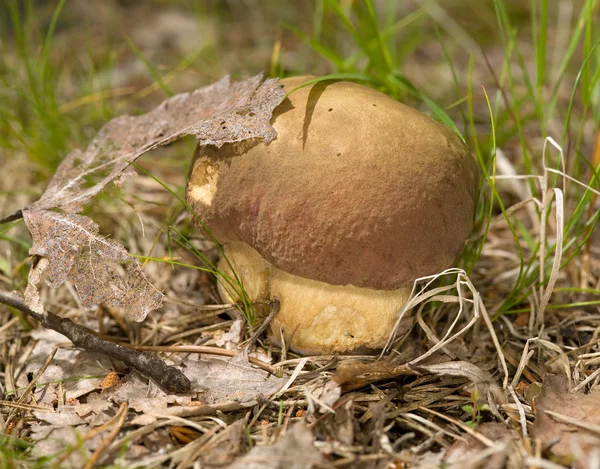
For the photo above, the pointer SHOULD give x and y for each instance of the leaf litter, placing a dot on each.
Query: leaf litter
(568, 423)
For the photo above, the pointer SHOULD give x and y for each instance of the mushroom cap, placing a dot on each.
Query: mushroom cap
(356, 189)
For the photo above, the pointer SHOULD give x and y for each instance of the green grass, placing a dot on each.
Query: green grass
(30, 117)
(527, 101)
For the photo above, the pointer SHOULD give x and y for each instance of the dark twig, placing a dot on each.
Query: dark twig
(12, 217)
(145, 363)
(274, 310)
(31, 385)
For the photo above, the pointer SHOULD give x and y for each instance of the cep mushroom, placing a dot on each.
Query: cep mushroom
(358, 196)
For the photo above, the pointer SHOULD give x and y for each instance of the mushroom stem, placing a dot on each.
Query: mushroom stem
(317, 317)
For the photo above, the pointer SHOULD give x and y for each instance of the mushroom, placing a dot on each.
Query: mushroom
(358, 196)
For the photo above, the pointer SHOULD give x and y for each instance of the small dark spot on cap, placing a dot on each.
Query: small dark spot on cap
(330, 109)
(339, 154)
(374, 105)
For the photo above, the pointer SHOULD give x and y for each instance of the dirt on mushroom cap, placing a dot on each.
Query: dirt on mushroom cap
(356, 189)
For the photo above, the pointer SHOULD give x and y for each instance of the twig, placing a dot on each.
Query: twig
(31, 385)
(122, 413)
(91, 434)
(274, 310)
(202, 349)
(12, 217)
(145, 363)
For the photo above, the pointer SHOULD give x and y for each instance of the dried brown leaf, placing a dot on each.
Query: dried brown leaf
(65, 418)
(235, 380)
(143, 396)
(68, 365)
(51, 440)
(568, 424)
(322, 396)
(487, 387)
(220, 113)
(69, 244)
(294, 451)
(231, 339)
(457, 368)
(351, 376)
(73, 250)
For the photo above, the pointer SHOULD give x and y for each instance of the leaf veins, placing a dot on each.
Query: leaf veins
(69, 246)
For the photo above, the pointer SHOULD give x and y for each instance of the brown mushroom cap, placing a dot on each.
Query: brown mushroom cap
(357, 189)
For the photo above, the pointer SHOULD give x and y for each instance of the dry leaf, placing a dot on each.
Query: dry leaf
(52, 440)
(457, 368)
(69, 244)
(294, 451)
(223, 112)
(324, 395)
(351, 376)
(568, 424)
(231, 339)
(68, 365)
(487, 387)
(471, 453)
(66, 418)
(73, 250)
(345, 423)
(143, 396)
(95, 405)
(230, 381)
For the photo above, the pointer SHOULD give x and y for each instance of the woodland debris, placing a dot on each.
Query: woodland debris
(148, 364)
(568, 423)
(295, 450)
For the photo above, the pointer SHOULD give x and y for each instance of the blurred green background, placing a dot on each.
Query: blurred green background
(67, 67)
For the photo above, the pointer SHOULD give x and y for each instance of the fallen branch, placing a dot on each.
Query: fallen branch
(12, 217)
(145, 363)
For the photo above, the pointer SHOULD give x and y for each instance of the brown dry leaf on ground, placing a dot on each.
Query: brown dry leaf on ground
(567, 423)
(351, 376)
(69, 245)
(471, 453)
(77, 372)
(294, 451)
(221, 385)
(143, 396)
(73, 250)
(53, 440)
(230, 381)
